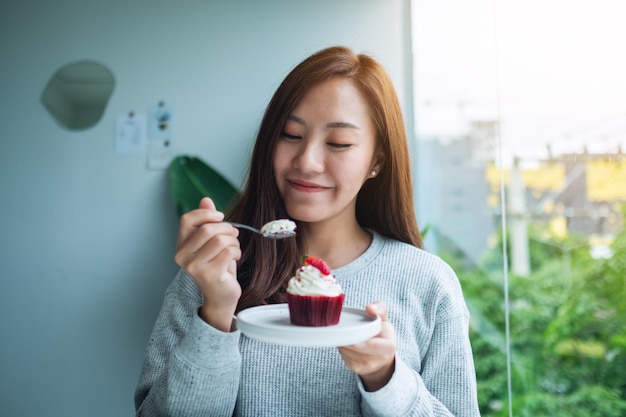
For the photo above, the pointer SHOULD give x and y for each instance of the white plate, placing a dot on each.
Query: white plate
(270, 323)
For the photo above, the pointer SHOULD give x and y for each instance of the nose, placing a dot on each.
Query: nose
(310, 157)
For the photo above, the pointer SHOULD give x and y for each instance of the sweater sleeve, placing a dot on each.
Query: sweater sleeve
(434, 374)
(190, 368)
(446, 385)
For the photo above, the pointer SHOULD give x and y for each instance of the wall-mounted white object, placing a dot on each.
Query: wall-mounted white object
(160, 154)
(130, 133)
(160, 122)
(160, 149)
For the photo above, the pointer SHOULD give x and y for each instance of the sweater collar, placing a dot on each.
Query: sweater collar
(365, 259)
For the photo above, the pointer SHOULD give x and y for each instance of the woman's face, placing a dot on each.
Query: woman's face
(326, 151)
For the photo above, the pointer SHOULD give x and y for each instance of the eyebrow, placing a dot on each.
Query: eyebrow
(331, 125)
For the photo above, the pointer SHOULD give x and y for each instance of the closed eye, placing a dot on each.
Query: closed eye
(339, 145)
(288, 136)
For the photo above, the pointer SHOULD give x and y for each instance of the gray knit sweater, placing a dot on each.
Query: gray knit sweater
(192, 369)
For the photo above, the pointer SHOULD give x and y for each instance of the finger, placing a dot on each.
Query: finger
(207, 203)
(232, 266)
(385, 341)
(387, 331)
(206, 242)
(382, 342)
(377, 308)
(206, 232)
(200, 216)
(368, 357)
(227, 260)
(220, 260)
(190, 221)
(209, 266)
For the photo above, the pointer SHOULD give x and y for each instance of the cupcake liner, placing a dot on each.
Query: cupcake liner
(315, 311)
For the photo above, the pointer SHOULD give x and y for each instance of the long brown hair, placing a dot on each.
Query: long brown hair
(384, 203)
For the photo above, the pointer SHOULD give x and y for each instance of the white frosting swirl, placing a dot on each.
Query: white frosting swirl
(310, 281)
(278, 227)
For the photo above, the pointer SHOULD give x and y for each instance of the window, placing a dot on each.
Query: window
(521, 181)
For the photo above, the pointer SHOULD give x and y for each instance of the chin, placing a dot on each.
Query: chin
(307, 214)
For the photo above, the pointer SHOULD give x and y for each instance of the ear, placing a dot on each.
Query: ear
(377, 163)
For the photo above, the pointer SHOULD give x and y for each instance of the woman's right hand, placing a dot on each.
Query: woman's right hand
(208, 250)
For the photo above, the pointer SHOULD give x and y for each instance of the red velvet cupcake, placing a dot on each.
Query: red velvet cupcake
(313, 295)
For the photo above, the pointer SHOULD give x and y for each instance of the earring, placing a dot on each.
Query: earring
(373, 173)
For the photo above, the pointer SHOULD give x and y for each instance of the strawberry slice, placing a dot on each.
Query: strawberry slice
(317, 263)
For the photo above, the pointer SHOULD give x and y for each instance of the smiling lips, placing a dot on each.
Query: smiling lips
(307, 187)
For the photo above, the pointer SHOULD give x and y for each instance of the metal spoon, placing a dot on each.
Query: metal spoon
(276, 229)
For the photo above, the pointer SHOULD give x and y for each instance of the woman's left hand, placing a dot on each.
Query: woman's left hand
(374, 359)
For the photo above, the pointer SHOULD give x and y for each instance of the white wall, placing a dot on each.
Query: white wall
(87, 235)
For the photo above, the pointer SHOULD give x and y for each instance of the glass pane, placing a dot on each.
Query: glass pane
(521, 134)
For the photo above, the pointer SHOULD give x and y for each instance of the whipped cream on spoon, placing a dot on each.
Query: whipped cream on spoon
(276, 229)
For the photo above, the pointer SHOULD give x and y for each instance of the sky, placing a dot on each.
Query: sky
(552, 71)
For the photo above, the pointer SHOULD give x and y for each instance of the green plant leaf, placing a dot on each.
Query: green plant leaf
(191, 179)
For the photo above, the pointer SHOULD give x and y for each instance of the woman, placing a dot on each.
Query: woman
(331, 154)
